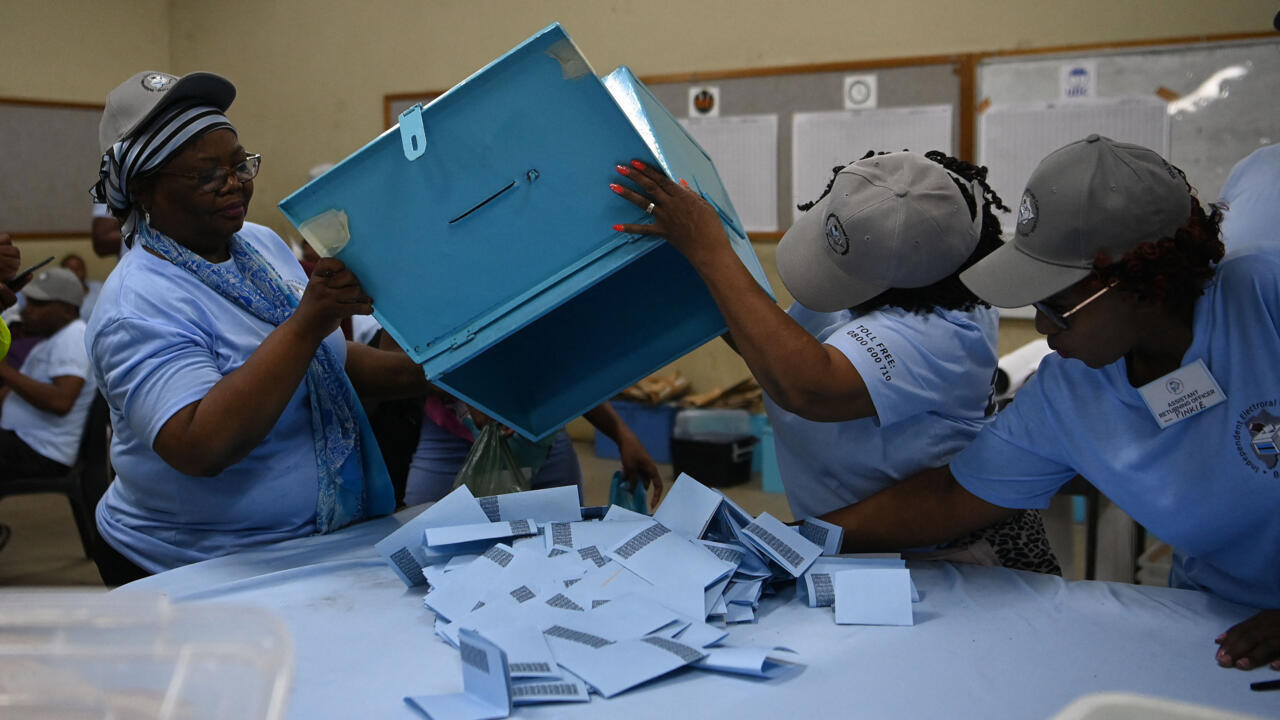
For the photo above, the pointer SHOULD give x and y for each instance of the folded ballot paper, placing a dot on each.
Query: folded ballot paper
(486, 685)
(575, 607)
(481, 224)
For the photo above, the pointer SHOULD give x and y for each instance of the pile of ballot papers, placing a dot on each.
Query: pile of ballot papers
(546, 606)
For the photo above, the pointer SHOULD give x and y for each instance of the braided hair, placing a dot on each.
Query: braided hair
(948, 293)
(1171, 271)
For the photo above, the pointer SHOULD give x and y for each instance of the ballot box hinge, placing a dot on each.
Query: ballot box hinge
(462, 338)
(413, 134)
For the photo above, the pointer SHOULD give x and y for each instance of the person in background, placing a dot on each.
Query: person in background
(45, 403)
(1162, 390)
(1251, 196)
(10, 265)
(235, 401)
(884, 364)
(105, 233)
(75, 264)
(448, 432)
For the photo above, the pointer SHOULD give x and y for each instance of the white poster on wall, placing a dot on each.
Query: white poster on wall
(1014, 138)
(821, 141)
(744, 149)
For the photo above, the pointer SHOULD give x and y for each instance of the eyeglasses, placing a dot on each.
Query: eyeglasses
(1060, 318)
(213, 179)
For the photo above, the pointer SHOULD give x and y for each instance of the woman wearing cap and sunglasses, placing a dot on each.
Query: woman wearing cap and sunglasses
(1163, 392)
(884, 364)
(231, 390)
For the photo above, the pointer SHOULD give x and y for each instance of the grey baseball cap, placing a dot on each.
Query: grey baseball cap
(55, 284)
(144, 96)
(1094, 195)
(890, 221)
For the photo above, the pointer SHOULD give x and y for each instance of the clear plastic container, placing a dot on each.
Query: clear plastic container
(1132, 706)
(693, 422)
(132, 655)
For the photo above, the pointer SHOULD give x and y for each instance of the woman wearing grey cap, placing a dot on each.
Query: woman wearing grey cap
(884, 364)
(1163, 392)
(232, 395)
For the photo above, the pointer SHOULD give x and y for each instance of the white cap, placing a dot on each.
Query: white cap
(1094, 195)
(145, 95)
(890, 221)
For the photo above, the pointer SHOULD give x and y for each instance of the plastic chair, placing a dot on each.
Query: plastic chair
(85, 482)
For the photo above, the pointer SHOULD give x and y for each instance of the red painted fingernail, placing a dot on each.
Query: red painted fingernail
(615, 188)
(623, 170)
(637, 164)
(618, 228)
(684, 182)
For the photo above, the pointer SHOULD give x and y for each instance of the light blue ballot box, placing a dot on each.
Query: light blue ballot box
(481, 225)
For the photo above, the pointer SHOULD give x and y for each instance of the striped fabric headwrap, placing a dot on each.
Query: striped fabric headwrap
(147, 150)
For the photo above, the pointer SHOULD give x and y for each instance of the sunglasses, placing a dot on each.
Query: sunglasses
(1060, 318)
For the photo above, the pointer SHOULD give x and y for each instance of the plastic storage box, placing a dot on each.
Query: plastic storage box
(694, 421)
(714, 459)
(652, 424)
(133, 655)
(481, 225)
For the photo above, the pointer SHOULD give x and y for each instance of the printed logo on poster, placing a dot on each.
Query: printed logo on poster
(1078, 81)
(860, 92)
(704, 101)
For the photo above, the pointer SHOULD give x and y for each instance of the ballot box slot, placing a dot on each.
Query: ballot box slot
(486, 201)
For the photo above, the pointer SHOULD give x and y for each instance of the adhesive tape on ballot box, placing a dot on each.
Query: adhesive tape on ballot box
(327, 233)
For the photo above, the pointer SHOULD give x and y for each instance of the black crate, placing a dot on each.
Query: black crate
(714, 459)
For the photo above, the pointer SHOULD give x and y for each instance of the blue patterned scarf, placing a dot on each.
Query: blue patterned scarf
(336, 420)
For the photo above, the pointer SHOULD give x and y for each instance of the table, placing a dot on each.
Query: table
(987, 643)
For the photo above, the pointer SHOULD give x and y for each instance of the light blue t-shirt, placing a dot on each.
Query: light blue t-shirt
(159, 339)
(930, 379)
(1252, 194)
(1208, 485)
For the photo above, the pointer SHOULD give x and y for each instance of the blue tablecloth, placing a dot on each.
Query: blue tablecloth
(987, 643)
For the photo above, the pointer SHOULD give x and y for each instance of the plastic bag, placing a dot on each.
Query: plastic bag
(490, 468)
(528, 454)
(628, 495)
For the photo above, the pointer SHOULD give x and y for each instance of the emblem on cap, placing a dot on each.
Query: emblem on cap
(1028, 213)
(157, 82)
(837, 240)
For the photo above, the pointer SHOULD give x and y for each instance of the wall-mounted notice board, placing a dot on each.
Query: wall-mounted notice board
(1206, 104)
(764, 123)
(50, 159)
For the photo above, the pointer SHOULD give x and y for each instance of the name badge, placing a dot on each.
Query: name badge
(1187, 391)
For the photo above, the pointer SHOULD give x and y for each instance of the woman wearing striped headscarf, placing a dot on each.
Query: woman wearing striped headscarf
(233, 396)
